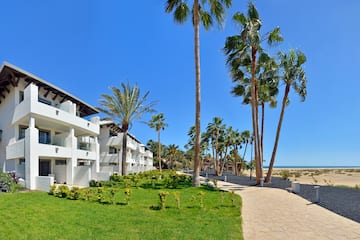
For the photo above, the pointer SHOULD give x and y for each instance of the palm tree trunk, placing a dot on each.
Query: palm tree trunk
(254, 110)
(258, 134)
(268, 176)
(214, 159)
(245, 151)
(124, 152)
(262, 128)
(217, 152)
(196, 177)
(159, 149)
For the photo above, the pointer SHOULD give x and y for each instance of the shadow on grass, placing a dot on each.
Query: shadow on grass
(122, 204)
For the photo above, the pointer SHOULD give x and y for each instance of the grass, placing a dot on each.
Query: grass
(37, 215)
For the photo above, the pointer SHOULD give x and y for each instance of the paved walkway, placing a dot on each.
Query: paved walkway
(271, 213)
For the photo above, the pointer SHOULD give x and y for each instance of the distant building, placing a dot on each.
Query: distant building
(45, 136)
(139, 157)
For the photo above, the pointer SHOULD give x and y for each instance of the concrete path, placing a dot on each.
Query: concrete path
(270, 213)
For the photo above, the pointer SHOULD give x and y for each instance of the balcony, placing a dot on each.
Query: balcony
(16, 150)
(131, 144)
(148, 154)
(141, 149)
(86, 155)
(47, 150)
(116, 141)
(63, 114)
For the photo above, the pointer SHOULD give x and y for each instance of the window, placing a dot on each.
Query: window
(44, 137)
(43, 100)
(22, 132)
(0, 135)
(21, 96)
(60, 162)
(21, 161)
(113, 150)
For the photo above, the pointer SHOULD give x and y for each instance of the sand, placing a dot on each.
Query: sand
(324, 177)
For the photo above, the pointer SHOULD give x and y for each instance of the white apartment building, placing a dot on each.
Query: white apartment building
(44, 136)
(139, 158)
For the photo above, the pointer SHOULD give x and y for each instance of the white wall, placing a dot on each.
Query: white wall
(43, 183)
(82, 175)
(7, 106)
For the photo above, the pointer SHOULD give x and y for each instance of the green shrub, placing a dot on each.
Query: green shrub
(177, 199)
(52, 189)
(163, 195)
(87, 194)
(93, 183)
(297, 174)
(201, 198)
(285, 174)
(74, 193)
(100, 194)
(62, 191)
(127, 183)
(116, 178)
(127, 193)
(222, 197)
(6, 181)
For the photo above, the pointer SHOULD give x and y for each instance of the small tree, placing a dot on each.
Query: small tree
(157, 122)
(124, 107)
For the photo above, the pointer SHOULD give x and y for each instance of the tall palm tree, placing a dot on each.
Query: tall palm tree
(267, 79)
(124, 107)
(243, 56)
(293, 76)
(157, 122)
(199, 15)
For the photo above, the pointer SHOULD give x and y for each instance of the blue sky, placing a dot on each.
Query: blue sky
(86, 46)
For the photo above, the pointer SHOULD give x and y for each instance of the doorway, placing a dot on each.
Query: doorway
(44, 167)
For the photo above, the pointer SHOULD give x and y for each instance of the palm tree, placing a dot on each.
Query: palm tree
(213, 132)
(157, 122)
(243, 57)
(245, 135)
(173, 149)
(267, 79)
(124, 107)
(199, 14)
(293, 76)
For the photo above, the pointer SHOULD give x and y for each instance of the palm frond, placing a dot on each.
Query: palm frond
(181, 12)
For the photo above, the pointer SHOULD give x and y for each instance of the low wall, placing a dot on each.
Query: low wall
(43, 183)
(103, 176)
(82, 176)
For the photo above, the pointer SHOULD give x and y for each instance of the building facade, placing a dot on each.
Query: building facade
(47, 135)
(138, 159)
(44, 135)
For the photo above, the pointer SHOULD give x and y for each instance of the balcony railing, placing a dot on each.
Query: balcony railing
(16, 149)
(59, 114)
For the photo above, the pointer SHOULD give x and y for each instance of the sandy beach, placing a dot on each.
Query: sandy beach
(349, 177)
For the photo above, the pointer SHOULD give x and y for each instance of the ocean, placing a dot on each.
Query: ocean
(312, 167)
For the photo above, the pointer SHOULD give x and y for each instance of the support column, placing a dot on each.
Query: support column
(97, 150)
(71, 142)
(31, 155)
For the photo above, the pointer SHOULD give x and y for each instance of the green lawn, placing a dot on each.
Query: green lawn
(37, 215)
